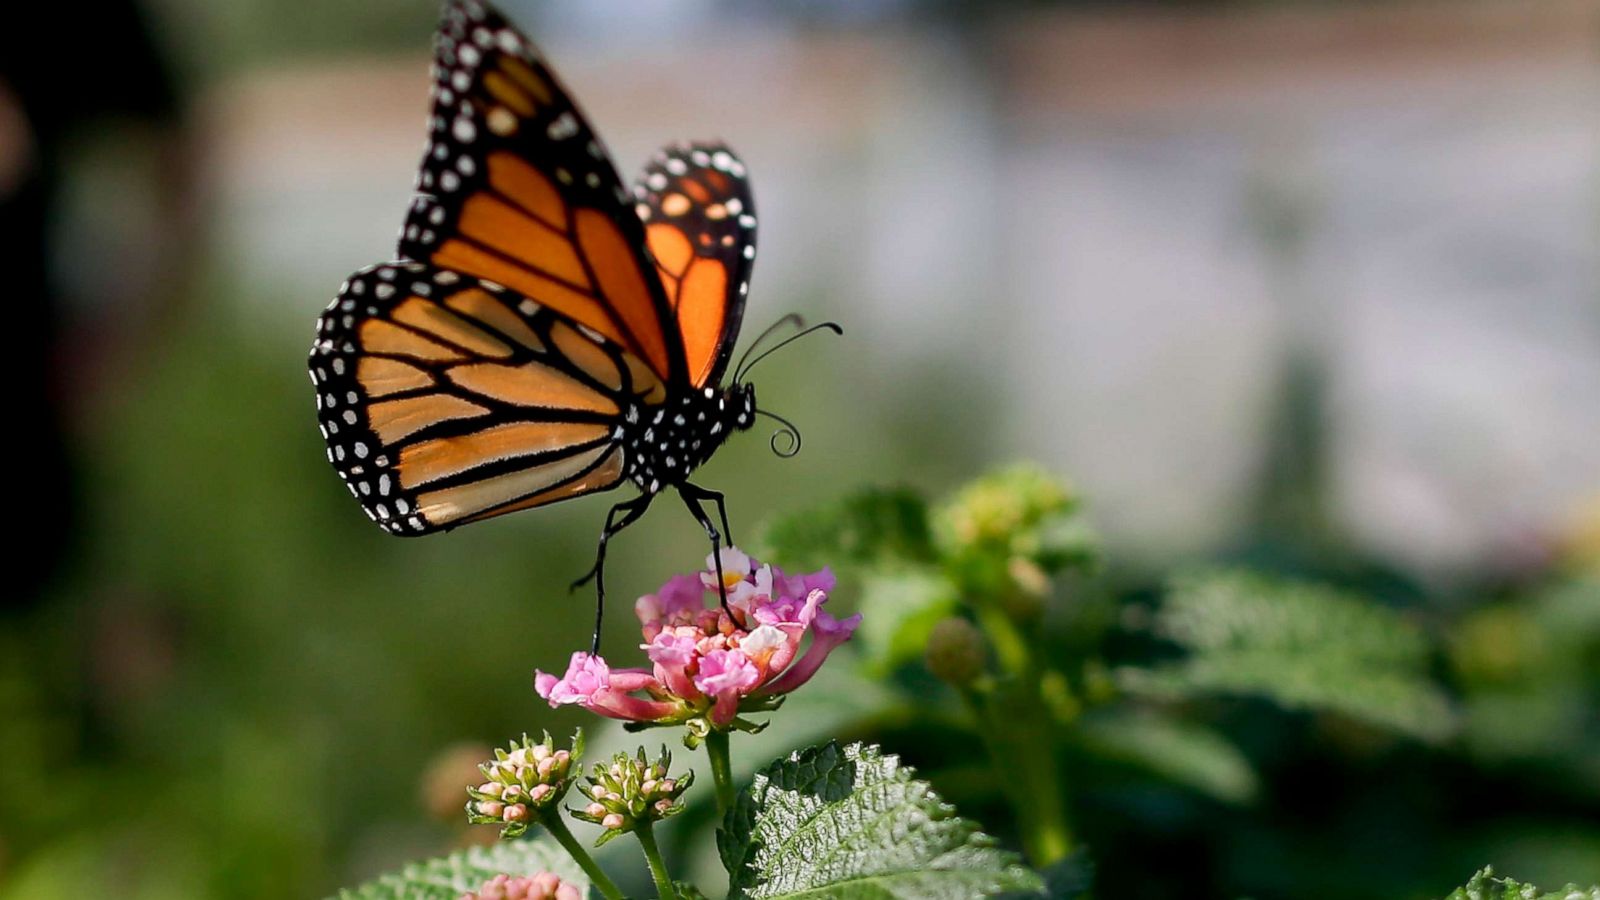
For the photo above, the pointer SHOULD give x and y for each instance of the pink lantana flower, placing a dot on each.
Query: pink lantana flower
(709, 665)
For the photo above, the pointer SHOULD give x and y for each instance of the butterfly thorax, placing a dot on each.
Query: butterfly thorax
(663, 443)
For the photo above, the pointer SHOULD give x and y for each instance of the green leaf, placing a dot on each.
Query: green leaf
(849, 822)
(898, 610)
(880, 526)
(1188, 754)
(1485, 886)
(1300, 645)
(448, 877)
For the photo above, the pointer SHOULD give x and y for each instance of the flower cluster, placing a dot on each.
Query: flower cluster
(711, 662)
(522, 782)
(542, 886)
(630, 792)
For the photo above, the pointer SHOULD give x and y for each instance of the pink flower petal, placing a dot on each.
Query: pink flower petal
(585, 675)
(671, 649)
(726, 670)
(827, 634)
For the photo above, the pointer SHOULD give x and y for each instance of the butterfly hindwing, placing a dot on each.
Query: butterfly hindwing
(445, 399)
(700, 221)
(515, 187)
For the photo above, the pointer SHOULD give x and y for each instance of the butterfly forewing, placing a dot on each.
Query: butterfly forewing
(515, 187)
(445, 399)
(700, 221)
(546, 334)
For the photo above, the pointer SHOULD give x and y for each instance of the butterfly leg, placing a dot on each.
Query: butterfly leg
(631, 510)
(700, 493)
(691, 498)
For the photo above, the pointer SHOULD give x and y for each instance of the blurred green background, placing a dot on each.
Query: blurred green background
(1310, 287)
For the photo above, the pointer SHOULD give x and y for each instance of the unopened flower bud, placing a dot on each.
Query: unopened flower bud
(1030, 578)
(542, 886)
(516, 787)
(446, 774)
(956, 652)
(630, 791)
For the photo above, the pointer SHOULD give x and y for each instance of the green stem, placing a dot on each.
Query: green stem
(721, 770)
(551, 820)
(1010, 646)
(652, 854)
(1020, 739)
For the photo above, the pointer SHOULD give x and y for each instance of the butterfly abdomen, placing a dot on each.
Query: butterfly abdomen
(666, 442)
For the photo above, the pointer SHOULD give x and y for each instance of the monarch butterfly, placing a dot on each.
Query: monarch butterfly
(544, 334)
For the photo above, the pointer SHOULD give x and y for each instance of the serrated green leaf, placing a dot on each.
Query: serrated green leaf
(1485, 886)
(880, 526)
(1224, 609)
(1303, 646)
(1185, 753)
(448, 877)
(849, 822)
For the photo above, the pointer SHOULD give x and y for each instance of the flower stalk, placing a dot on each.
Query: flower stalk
(553, 823)
(658, 867)
(717, 752)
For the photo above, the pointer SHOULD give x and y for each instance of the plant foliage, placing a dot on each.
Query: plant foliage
(849, 822)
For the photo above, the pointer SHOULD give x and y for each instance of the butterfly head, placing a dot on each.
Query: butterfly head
(741, 402)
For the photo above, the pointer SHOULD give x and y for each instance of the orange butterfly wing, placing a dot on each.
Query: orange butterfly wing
(700, 220)
(445, 399)
(516, 188)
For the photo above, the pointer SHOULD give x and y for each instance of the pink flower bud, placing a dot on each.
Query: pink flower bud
(490, 807)
(540, 753)
(614, 820)
(491, 788)
(663, 805)
(596, 810)
(648, 787)
(667, 785)
(540, 792)
(516, 812)
(512, 792)
(546, 766)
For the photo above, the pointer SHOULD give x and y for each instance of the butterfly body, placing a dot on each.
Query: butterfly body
(665, 443)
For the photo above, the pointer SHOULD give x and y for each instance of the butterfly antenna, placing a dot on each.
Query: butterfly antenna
(790, 319)
(828, 326)
(789, 433)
